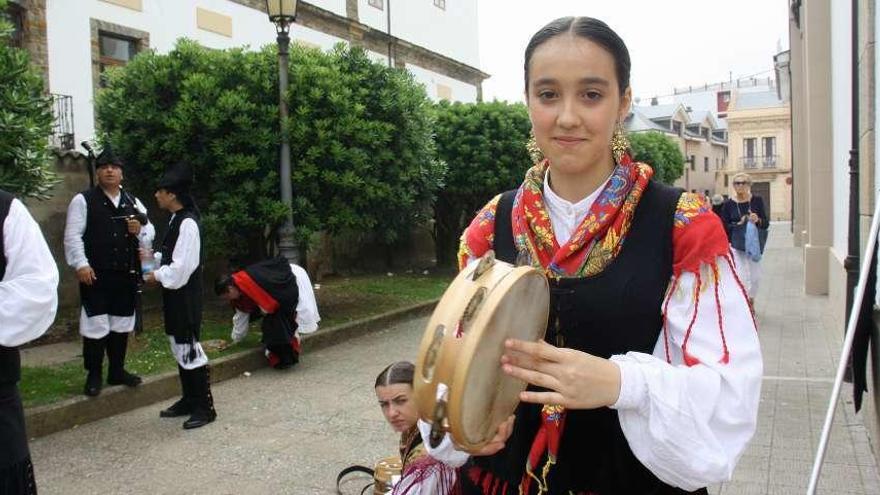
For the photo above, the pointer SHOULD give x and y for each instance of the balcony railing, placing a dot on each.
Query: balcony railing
(759, 161)
(62, 126)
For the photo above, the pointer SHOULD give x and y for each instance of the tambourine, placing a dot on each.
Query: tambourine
(459, 386)
(386, 469)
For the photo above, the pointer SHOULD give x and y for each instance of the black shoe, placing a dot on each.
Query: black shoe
(199, 419)
(124, 378)
(93, 385)
(202, 400)
(180, 408)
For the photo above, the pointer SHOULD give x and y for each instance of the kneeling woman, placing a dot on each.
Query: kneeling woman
(421, 473)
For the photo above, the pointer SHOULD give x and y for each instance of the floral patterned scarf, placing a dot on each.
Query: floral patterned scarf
(598, 239)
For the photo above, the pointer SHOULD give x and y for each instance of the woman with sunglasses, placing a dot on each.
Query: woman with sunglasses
(738, 211)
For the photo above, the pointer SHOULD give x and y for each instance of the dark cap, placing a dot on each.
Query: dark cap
(108, 157)
(178, 178)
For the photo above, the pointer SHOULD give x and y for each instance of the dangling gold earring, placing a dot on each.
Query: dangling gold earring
(535, 153)
(619, 143)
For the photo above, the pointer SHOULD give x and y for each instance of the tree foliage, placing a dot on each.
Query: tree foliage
(484, 148)
(660, 152)
(361, 149)
(25, 122)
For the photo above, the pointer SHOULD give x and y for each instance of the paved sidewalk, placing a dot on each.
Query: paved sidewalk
(291, 432)
(801, 346)
(49, 354)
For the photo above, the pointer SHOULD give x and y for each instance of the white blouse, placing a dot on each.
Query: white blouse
(29, 288)
(185, 257)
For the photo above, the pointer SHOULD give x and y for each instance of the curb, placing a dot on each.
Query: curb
(76, 411)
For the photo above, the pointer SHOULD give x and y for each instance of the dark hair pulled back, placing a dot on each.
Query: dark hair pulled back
(588, 28)
(399, 372)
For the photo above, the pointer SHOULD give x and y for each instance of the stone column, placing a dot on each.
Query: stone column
(816, 21)
(798, 134)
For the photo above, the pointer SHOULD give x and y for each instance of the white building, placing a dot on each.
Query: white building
(822, 110)
(73, 40)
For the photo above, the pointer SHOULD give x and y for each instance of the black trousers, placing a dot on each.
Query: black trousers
(16, 469)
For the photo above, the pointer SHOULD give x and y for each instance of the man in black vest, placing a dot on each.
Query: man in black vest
(105, 226)
(180, 275)
(28, 301)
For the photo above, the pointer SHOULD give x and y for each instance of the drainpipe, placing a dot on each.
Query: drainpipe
(851, 264)
(388, 29)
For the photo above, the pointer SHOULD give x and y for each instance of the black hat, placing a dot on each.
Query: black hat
(177, 178)
(108, 157)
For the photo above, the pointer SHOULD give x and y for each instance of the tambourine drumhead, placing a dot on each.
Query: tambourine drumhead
(463, 343)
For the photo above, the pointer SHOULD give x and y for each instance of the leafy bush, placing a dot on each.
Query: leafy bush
(484, 147)
(25, 122)
(660, 152)
(361, 149)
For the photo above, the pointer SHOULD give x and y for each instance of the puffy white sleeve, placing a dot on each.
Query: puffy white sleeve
(689, 410)
(240, 322)
(429, 475)
(29, 289)
(74, 228)
(307, 316)
(185, 257)
(446, 451)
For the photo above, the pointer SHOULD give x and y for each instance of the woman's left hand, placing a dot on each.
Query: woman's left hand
(753, 217)
(574, 379)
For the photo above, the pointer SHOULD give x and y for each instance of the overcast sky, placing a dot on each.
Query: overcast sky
(672, 43)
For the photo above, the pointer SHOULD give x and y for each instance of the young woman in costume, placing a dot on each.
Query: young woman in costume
(649, 377)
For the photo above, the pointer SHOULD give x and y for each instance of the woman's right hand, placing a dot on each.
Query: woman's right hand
(500, 438)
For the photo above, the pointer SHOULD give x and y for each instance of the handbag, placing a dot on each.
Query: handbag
(752, 242)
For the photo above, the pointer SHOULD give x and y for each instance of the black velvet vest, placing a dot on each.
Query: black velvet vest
(107, 243)
(182, 308)
(10, 363)
(614, 312)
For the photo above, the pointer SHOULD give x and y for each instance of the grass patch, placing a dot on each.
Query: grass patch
(340, 300)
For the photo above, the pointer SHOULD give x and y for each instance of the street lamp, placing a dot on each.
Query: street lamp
(282, 13)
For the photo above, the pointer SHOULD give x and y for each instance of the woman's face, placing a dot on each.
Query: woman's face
(741, 186)
(574, 102)
(398, 406)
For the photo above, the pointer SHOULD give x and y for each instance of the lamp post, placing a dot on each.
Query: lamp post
(282, 13)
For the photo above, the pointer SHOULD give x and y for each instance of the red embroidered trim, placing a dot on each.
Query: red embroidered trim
(247, 285)
(688, 359)
(697, 240)
(726, 357)
(666, 318)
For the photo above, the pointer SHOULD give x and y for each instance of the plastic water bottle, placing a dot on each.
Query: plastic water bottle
(148, 259)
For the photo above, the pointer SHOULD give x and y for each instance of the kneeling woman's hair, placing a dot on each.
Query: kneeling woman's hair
(399, 372)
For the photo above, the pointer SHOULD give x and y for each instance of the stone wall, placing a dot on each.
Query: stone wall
(51, 215)
(34, 35)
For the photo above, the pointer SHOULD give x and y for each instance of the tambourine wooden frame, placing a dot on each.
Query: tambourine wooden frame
(472, 303)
